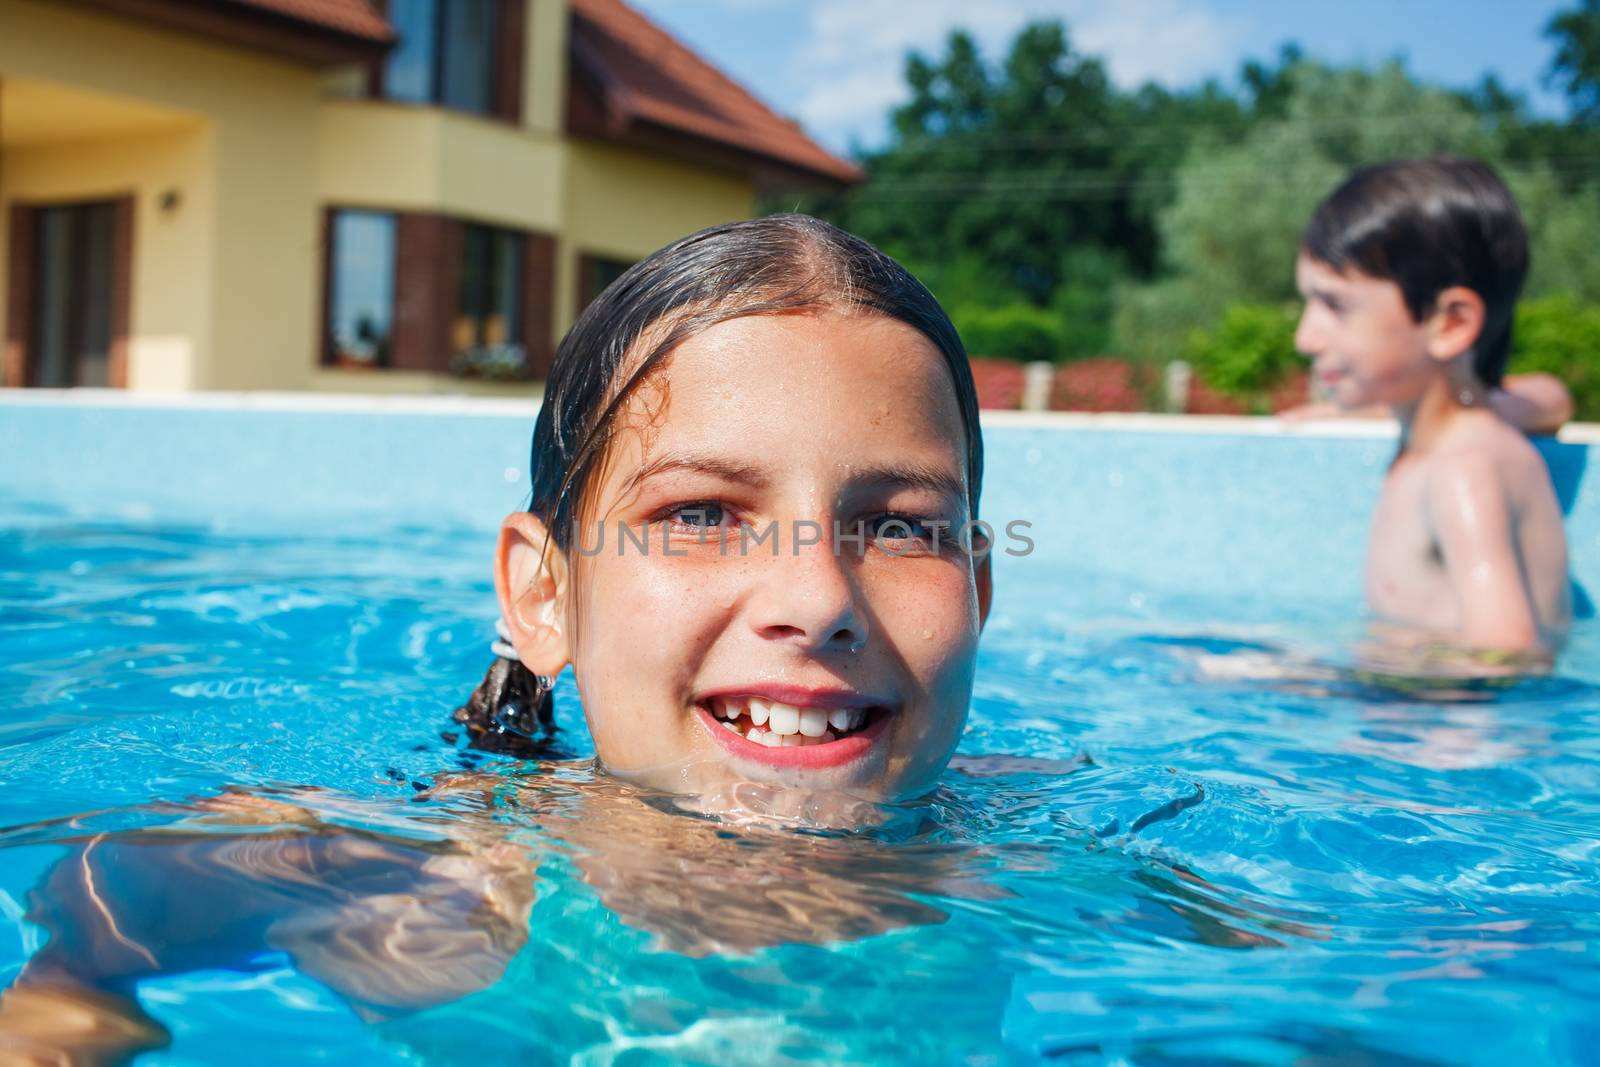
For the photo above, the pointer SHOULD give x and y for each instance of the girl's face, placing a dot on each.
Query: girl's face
(783, 428)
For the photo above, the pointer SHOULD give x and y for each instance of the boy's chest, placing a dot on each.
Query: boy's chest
(1406, 579)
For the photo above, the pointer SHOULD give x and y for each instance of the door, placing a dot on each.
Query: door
(69, 299)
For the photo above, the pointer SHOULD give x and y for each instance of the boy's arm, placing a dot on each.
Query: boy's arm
(1533, 403)
(1470, 515)
(1536, 404)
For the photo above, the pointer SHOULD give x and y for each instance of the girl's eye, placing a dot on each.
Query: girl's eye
(702, 514)
(906, 532)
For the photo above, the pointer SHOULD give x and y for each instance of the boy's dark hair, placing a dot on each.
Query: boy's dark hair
(1428, 224)
(760, 266)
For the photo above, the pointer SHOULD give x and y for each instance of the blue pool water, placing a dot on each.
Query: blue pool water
(1136, 859)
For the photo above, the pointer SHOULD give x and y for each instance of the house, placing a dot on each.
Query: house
(410, 195)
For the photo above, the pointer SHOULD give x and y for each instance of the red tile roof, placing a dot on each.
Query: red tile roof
(315, 32)
(648, 78)
(357, 18)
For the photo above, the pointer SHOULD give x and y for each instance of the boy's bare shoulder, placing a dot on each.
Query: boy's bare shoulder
(1482, 437)
(1482, 454)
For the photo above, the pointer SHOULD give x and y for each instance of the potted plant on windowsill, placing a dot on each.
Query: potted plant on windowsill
(499, 362)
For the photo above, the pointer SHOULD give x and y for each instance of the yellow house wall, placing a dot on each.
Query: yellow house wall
(376, 154)
(263, 259)
(544, 83)
(625, 204)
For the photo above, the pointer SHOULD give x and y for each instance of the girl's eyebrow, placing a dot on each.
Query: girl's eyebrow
(889, 476)
(696, 463)
(910, 476)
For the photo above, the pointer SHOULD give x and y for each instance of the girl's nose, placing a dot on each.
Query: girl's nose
(809, 598)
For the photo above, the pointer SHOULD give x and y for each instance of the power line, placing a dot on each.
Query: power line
(1102, 185)
(1140, 133)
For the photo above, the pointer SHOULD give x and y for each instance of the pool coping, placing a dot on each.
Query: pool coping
(384, 404)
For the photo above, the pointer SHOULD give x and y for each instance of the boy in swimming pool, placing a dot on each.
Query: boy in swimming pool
(1410, 272)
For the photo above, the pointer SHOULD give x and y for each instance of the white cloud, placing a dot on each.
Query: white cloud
(851, 65)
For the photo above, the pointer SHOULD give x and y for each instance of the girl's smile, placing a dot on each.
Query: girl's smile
(785, 726)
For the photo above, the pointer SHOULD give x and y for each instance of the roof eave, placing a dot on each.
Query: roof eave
(257, 29)
(615, 120)
(771, 173)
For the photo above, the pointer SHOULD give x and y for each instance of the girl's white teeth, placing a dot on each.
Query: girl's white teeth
(783, 718)
(845, 718)
(773, 723)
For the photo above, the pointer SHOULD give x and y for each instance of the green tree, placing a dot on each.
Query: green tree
(1036, 169)
(1575, 67)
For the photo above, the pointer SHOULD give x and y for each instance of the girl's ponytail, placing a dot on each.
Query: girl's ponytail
(511, 711)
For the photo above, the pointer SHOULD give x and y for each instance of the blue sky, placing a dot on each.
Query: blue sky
(836, 64)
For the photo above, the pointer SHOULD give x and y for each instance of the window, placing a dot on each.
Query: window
(445, 53)
(418, 291)
(408, 75)
(361, 263)
(594, 274)
(486, 336)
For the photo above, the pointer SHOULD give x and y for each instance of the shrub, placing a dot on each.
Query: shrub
(1016, 331)
(1560, 334)
(1248, 352)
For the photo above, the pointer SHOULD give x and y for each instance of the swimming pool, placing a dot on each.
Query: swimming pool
(1132, 861)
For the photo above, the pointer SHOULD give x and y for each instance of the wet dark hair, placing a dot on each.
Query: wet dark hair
(1428, 224)
(769, 265)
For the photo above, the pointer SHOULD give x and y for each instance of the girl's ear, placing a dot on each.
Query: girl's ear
(1456, 323)
(985, 576)
(531, 579)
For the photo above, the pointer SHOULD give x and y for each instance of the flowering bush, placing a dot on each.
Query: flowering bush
(999, 383)
(1102, 384)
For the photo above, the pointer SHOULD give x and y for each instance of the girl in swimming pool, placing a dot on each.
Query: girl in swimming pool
(756, 458)
(753, 475)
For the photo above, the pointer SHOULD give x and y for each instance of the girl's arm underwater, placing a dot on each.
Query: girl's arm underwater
(390, 923)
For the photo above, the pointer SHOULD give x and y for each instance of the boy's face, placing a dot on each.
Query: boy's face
(1365, 347)
(805, 418)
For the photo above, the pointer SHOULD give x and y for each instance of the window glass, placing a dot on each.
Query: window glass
(595, 273)
(607, 271)
(468, 55)
(505, 323)
(410, 71)
(361, 303)
(487, 332)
